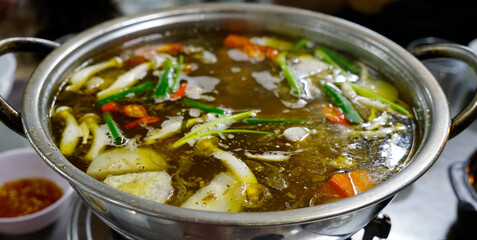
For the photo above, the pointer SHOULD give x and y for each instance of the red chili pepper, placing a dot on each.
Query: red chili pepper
(235, 41)
(169, 48)
(246, 46)
(272, 53)
(334, 115)
(134, 61)
(134, 110)
(110, 107)
(142, 121)
(180, 93)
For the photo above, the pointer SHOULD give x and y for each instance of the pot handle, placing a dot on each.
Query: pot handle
(447, 50)
(8, 115)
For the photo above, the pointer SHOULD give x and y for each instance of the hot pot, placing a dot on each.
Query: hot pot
(141, 219)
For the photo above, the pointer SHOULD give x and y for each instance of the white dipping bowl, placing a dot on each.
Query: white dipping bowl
(8, 65)
(25, 163)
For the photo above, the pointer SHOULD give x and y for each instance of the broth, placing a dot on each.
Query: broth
(244, 123)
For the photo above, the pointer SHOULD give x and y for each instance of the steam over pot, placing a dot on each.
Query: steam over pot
(142, 219)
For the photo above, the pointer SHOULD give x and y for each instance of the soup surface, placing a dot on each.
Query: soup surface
(226, 122)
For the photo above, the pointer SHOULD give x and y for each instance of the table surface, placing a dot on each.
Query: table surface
(425, 210)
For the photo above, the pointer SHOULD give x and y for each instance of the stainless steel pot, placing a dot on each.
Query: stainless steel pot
(141, 219)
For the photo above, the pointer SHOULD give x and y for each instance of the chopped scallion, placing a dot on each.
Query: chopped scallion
(163, 85)
(327, 59)
(340, 60)
(340, 101)
(204, 107)
(178, 72)
(302, 43)
(291, 79)
(367, 93)
(276, 120)
(184, 140)
(116, 133)
(124, 94)
(206, 126)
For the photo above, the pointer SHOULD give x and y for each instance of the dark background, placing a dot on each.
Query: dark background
(400, 20)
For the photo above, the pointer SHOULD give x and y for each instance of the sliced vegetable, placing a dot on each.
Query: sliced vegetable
(164, 83)
(204, 107)
(184, 140)
(275, 120)
(134, 110)
(217, 196)
(300, 44)
(294, 134)
(349, 184)
(110, 107)
(116, 133)
(100, 137)
(126, 80)
(72, 132)
(135, 91)
(178, 73)
(123, 160)
(180, 93)
(154, 186)
(169, 128)
(209, 125)
(294, 83)
(334, 115)
(339, 100)
(146, 120)
(367, 93)
(80, 77)
(340, 60)
(272, 156)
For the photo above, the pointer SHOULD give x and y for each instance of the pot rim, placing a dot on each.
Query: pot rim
(36, 127)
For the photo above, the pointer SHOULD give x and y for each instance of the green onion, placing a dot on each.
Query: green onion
(299, 44)
(367, 93)
(163, 85)
(276, 120)
(124, 94)
(291, 79)
(340, 101)
(204, 107)
(196, 131)
(178, 72)
(184, 140)
(340, 60)
(114, 129)
(327, 59)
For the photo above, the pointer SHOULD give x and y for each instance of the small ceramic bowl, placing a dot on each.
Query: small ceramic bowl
(463, 178)
(25, 163)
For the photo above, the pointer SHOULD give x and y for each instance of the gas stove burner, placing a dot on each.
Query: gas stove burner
(84, 225)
